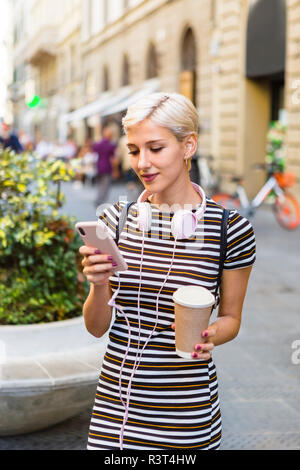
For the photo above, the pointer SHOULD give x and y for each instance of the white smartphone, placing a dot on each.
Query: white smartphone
(96, 234)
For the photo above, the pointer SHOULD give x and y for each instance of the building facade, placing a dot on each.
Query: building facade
(5, 58)
(292, 87)
(238, 60)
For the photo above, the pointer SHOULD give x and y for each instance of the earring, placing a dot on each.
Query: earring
(186, 160)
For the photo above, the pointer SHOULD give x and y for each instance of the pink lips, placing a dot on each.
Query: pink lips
(149, 178)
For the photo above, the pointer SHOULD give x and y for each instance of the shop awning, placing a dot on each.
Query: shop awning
(150, 86)
(108, 103)
(112, 102)
(96, 107)
(266, 39)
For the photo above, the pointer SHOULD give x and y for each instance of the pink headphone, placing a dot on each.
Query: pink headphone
(184, 222)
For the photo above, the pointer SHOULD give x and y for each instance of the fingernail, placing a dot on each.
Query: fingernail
(114, 264)
(205, 334)
(194, 354)
(97, 252)
(110, 258)
(198, 347)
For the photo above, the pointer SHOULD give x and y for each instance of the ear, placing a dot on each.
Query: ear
(191, 144)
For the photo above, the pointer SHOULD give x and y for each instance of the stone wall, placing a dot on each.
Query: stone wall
(292, 95)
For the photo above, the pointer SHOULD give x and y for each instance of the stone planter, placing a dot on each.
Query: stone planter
(48, 373)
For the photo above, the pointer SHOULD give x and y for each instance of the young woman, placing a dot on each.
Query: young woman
(148, 397)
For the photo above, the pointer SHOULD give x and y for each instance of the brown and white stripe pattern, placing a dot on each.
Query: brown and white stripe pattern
(173, 402)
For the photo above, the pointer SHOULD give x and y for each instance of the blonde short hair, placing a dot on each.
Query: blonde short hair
(170, 110)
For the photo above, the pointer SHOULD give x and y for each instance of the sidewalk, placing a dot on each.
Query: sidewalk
(258, 382)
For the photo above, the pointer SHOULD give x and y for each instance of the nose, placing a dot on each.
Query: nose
(144, 160)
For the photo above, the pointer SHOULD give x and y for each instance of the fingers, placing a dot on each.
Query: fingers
(87, 250)
(94, 259)
(93, 255)
(202, 351)
(209, 332)
(99, 278)
(98, 267)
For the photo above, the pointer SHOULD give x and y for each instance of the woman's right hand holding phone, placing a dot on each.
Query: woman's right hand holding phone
(97, 267)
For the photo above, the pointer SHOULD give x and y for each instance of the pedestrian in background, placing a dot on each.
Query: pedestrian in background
(123, 160)
(105, 150)
(43, 148)
(69, 149)
(26, 141)
(10, 140)
(88, 160)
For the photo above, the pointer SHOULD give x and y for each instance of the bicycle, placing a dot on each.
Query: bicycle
(286, 206)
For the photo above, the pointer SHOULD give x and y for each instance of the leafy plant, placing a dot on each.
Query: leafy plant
(41, 276)
(275, 157)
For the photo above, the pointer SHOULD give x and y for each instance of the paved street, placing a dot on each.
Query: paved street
(258, 381)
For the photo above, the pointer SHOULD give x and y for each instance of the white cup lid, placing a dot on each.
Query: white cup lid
(194, 297)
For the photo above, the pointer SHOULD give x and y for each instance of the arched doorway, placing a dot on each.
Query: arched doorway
(188, 66)
(266, 48)
(265, 80)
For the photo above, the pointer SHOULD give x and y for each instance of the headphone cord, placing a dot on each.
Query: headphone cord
(138, 358)
(139, 353)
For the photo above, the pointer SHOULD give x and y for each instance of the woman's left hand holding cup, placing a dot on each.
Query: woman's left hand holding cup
(202, 350)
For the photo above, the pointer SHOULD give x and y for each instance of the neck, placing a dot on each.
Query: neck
(178, 195)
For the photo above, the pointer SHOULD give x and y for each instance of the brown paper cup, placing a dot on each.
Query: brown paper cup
(192, 312)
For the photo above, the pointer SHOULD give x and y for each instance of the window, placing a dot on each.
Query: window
(105, 79)
(105, 12)
(213, 12)
(90, 85)
(62, 73)
(125, 71)
(73, 62)
(90, 17)
(152, 62)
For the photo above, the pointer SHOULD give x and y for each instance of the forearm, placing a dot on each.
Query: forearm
(233, 291)
(226, 328)
(97, 313)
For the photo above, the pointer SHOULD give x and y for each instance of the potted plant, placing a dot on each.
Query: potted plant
(48, 362)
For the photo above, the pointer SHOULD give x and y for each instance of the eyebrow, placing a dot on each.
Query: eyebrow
(147, 143)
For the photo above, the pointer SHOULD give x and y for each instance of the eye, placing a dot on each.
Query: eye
(133, 152)
(157, 149)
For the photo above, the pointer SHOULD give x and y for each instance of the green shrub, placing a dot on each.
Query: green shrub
(41, 276)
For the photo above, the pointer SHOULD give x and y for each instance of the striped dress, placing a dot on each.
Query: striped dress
(173, 402)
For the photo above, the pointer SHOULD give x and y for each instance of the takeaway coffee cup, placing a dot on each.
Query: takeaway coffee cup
(192, 311)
